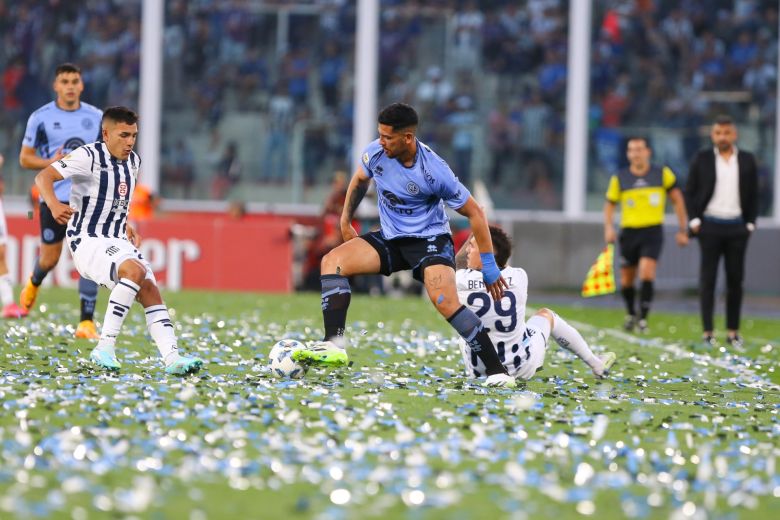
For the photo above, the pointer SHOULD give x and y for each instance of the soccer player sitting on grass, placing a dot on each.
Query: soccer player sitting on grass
(103, 244)
(521, 345)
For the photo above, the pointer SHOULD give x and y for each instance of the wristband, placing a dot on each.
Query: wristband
(490, 272)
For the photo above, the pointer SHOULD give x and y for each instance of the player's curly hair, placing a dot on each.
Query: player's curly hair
(502, 245)
(398, 116)
(120, 115)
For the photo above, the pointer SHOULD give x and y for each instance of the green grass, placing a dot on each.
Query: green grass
(676, 430)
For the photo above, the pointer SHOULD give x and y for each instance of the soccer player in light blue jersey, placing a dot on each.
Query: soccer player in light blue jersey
(413, 184)
(53, 131)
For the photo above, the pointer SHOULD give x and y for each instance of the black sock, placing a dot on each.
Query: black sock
(628, 296)
(87, 309)
(645, 298)
(470, 328)
(336, 296)
(38, 274)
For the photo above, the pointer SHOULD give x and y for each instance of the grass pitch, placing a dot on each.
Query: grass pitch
(677, 431)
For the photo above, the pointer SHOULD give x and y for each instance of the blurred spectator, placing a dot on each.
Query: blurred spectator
(434, 89)
(236, 209)
(142, 205)
(178, 168)
(462, 121)
(281, 116)
(331, 68)
(228, 172)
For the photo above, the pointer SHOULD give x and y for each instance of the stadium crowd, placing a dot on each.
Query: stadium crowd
(493, 97)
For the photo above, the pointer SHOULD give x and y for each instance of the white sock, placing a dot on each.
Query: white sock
(6, 289)
(158, 321)
(119, 302)
(568, 338)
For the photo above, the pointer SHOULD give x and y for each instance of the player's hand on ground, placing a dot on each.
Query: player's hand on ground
(496, 289)
(61, 212)
(348, 232)
(682, 238)
(133, 236)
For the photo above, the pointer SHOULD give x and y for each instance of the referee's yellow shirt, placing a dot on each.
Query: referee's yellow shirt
(642, 198)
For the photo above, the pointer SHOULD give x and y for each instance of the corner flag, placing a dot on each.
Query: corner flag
(601, 276)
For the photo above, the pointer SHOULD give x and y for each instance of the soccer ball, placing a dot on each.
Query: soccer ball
(281, 361)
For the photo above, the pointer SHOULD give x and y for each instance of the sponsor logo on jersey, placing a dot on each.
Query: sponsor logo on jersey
(57, 125)
(119, 204)
(87, 123)
(122, 188)
(391, 201)
(412, 188)
(379, 170)
(428, 177)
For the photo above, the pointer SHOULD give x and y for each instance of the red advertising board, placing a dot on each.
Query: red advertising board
(193, 251)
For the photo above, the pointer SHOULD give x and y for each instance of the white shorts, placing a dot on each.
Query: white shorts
(3, 226)
(98, 259)
(521, 363)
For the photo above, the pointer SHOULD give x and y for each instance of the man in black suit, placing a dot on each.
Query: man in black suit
(722, 199)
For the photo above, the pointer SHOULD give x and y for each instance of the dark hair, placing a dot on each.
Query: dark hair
(638, 138)
(724, 119)
(502, 245)
(66, 68)
(398, 116)
(119, 115)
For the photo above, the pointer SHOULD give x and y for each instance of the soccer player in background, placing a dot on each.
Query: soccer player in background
(103, 245)
(10, 309)
(412, 184)
(53, 131)
(641, 190)
(521, 345)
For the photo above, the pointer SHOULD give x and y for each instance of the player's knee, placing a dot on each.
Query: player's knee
(333, 263)
(547, 314)
(132, 270)
(445, 306)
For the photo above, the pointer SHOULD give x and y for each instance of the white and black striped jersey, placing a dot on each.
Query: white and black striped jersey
(100, 196)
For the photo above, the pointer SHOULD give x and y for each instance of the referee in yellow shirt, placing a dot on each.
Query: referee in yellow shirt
(641, 190)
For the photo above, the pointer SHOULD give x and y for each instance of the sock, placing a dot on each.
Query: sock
(569, 338)
(470, 328)
(119, 302)
(336, 296)
(38, 274)
(628, 296)
(158, 321)
(646, 291)
(88, 293)
(6, 289)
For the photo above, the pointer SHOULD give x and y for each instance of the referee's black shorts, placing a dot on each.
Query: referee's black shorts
(636, 243)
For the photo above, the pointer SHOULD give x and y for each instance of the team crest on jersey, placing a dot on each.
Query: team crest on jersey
(412, 188)
(87, 123)
(122, 189)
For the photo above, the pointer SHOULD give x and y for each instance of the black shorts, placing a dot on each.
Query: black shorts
(401, 254)
(51, 231)
(636, 243)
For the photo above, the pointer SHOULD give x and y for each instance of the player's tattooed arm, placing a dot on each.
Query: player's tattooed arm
(354, 197)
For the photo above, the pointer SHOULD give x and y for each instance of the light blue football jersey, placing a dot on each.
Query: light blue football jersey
(51, 127)
(411, 200)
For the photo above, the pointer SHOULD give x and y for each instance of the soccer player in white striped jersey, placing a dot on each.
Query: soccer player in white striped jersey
(521, 345)
(103, 245)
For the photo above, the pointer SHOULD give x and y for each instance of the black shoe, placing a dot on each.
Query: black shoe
(629, 322)
(709, 341)
(734, 341)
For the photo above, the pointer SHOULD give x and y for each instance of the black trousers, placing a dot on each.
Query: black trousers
(730, 242)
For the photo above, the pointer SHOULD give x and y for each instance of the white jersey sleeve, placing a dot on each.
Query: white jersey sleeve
(79, 162)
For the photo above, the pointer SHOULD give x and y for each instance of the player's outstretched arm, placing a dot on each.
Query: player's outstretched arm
(358, 186)
(45, 181)
(494, 282)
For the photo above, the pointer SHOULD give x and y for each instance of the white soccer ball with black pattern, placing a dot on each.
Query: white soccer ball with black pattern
(281, 361)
